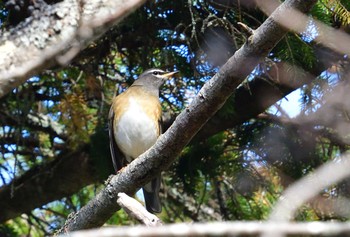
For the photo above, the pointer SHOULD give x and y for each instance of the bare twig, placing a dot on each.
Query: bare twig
(136, 210)
(246, 30)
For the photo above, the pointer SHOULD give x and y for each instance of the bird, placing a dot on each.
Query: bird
(135, 123)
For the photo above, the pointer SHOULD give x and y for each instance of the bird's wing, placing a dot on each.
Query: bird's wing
(118, 158)
(160, 125)
(151, 195)
(151, 190)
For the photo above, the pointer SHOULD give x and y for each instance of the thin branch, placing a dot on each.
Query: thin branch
(45, 122)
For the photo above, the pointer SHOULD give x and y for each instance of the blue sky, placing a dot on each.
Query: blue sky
(291, 103)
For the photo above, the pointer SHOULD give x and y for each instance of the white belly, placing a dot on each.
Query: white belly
(135, 132)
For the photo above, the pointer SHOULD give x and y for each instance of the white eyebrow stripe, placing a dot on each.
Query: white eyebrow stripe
(157, 70)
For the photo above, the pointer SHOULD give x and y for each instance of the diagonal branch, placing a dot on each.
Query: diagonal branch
(208, 101)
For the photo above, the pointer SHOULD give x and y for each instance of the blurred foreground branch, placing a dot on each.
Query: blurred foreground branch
(334, 39)
(222, 229)
(304, 189)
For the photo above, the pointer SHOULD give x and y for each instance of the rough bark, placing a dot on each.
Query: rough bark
(54, 35)
(208, 101)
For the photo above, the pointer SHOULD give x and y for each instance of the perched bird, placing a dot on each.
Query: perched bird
(135, 119)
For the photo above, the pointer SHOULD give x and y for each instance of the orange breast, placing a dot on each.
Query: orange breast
(149, 103)
(136, 122)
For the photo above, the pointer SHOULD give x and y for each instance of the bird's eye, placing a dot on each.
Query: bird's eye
(156, 73)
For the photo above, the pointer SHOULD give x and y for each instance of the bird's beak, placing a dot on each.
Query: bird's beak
(169, 74)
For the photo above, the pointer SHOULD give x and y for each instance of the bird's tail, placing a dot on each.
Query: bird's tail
(151, 195)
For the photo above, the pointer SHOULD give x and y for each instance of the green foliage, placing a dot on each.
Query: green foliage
(340, 9)
(7, 230)
(297, 52)
(25, 225)
(197, 161)
(100, 154)
(121, 218)
(319, 10)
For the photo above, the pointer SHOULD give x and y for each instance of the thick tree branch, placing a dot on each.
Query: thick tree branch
(46, 183)
(209, 100)
(54, 35)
